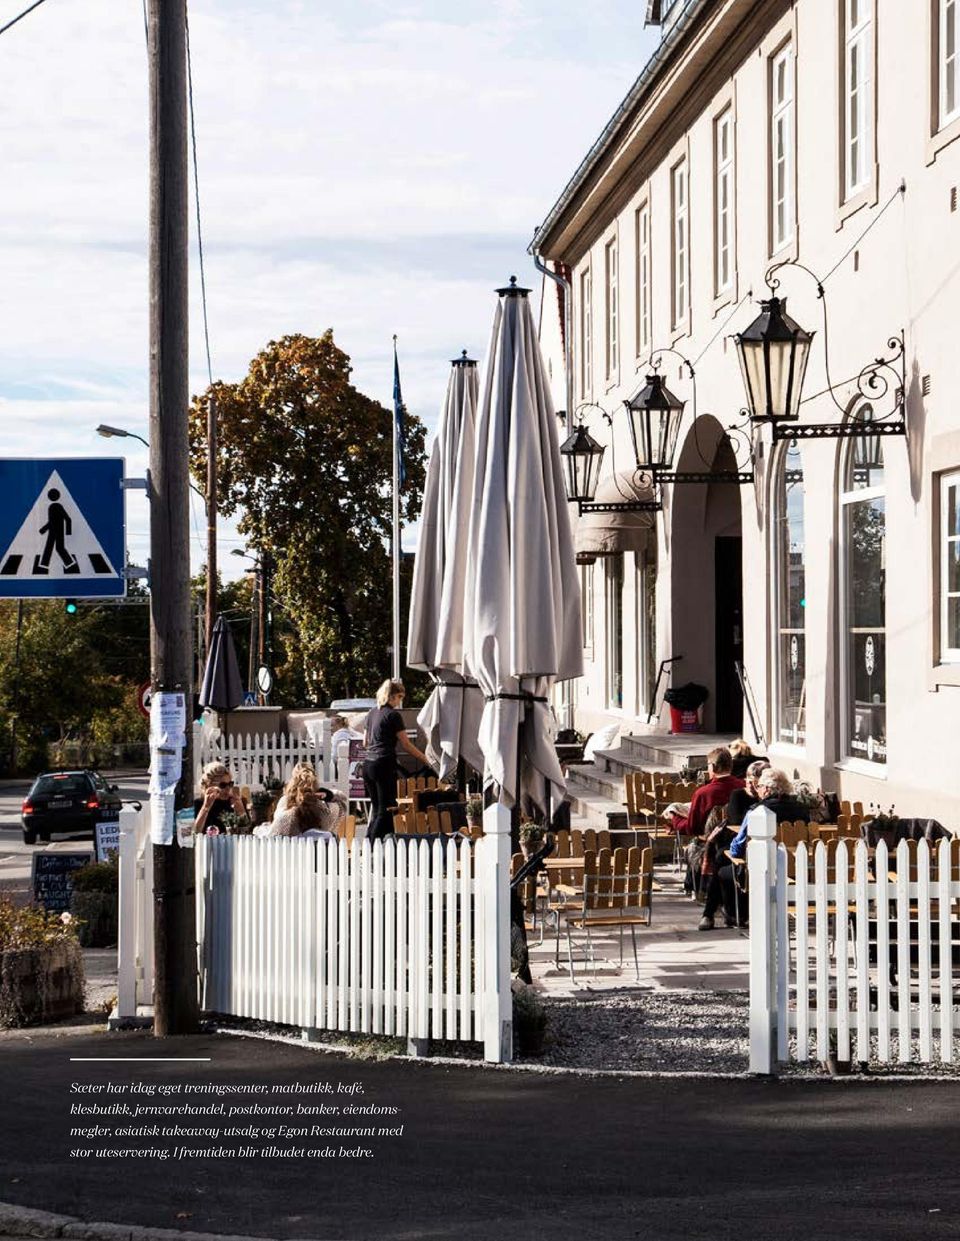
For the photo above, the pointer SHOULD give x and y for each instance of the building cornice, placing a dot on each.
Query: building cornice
(706, 43)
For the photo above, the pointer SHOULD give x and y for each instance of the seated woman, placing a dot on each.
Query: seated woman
(306, 808)
(219, 806)
(776, 793)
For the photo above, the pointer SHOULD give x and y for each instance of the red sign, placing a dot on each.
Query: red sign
(144, 694)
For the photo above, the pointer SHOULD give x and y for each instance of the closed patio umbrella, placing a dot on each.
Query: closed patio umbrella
(522, 613)
(221, 688)
(451, 717)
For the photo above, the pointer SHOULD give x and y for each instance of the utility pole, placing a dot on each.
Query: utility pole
(255, 592)
(171, 613)
(211, 615)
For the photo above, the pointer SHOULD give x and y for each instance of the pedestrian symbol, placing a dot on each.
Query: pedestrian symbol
(61, 528)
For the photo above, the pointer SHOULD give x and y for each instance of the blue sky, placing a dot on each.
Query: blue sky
(371, 167)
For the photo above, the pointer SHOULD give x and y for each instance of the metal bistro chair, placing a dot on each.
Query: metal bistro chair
(617, 892)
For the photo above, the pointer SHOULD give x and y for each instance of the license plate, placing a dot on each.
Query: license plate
(59, 803)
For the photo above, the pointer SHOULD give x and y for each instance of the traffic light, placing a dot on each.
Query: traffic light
(71, 607)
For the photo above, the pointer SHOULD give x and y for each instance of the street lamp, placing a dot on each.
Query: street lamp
(773, 352)
(654, 415)
(582, 457)
(120, 433)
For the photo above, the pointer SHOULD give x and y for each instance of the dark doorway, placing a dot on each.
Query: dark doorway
(728, 592)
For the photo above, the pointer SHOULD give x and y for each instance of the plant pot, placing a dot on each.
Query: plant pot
(98, 917)
(39, 985)
(836, 1067)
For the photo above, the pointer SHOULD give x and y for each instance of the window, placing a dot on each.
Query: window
(586, 336)
(790, 601)
(723, 202)
(646, 597)
(586, 603)
(613, 568)
(863, 533)
(681, 248)
(857, 91)
(950, 568)
(643, 281)
(948, 86)
(613, 309)
(782, 210)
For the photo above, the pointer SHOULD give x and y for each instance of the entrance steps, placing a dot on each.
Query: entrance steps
(596, 789)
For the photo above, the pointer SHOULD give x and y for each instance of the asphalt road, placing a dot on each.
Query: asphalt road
(15, 855)
(491, 1156)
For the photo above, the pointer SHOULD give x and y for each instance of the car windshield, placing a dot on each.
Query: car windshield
(61, 786)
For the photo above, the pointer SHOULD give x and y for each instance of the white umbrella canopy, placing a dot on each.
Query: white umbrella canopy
(450, 719)
(522, 614)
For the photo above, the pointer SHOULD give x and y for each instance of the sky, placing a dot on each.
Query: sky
(375, 168)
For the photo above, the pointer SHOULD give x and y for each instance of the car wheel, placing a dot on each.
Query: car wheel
(45, 838)
(29, 836)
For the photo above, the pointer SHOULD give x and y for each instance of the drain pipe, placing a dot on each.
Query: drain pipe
(567, 287)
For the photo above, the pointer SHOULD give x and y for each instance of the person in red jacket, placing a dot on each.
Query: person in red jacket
(716, 792)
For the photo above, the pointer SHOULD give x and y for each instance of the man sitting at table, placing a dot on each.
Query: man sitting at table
(720, 784)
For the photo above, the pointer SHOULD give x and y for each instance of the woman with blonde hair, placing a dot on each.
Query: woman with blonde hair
(384, 732)
(306, 807)
(219, 796)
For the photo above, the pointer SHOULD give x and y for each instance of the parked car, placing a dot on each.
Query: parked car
(67, 801)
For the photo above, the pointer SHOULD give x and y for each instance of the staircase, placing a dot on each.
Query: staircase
(596, 789)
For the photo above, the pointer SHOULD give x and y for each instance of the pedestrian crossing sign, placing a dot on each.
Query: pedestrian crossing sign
(62, 528)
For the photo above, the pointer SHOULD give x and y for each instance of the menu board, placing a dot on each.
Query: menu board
(53, 878)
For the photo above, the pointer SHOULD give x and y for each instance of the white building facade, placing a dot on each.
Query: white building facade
(759, 134)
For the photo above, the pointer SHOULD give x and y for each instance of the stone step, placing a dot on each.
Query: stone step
(669, 751)
(591, 808)
(595, 777)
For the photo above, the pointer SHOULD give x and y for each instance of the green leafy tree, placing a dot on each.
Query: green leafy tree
(306, 460)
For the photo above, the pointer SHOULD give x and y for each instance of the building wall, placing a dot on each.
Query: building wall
(902, 275)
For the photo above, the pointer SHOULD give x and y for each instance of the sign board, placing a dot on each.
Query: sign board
(52, 878)
(264, 679)
(62, 528)
(144, 694)
(357, 788)
(108, 838)
(249, 699)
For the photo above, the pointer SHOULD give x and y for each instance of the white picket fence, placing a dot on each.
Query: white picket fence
(252, 760)
(852, 956)
(135, 940)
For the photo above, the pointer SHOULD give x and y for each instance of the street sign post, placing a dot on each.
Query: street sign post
(62, 528)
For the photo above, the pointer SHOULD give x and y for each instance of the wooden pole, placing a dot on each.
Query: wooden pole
(171, 616)
(211, 612)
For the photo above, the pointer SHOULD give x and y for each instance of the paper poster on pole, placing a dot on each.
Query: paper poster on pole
(168, 718)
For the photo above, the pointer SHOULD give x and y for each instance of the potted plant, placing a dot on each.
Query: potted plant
(475, 811)
(529, 1019)
(94, 903)
(261, 804)
(41, 966)
(531, 837)
(812, 801)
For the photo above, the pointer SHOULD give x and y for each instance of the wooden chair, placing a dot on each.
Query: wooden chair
(617, 893)
(439, 821)
(347, 829)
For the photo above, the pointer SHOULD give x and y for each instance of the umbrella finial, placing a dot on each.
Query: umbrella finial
(513, 289)
(463, 360)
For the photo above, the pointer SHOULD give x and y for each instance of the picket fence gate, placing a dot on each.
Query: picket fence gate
(852, 959)
(135, 919)
(384, 939)
(252, 760)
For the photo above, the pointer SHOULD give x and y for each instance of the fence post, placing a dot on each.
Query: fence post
(494, 878)
(127, 910)
(327, 757)
(762, 874)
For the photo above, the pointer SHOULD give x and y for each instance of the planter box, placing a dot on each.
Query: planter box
(40, 985)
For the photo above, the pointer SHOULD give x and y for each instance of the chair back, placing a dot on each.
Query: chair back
(423, 799)
(347, 828)
(618, 881)
(439, 821)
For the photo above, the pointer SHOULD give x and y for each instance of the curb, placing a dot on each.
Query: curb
(24, 1222)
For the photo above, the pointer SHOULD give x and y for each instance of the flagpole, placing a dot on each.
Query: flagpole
(395, 673)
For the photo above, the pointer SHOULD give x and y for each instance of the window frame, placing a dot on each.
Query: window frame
(613, 696)
(846, 498)
(777, 629)
(945, 118)
(644, 275)
(680, 246)
(611, 272)
(786, 110)
(857, 18)
(947, 654)
(587, 606)
(724, 171)
(585, 290)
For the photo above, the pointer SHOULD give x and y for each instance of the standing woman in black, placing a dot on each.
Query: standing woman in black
(383, 732)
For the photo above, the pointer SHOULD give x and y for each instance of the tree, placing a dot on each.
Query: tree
(307, 461)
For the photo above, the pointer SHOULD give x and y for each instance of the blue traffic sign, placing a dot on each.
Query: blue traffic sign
(62, 529)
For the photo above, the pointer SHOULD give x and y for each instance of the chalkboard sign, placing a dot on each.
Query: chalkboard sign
(108, 838)
(357, 788)
(52, 878)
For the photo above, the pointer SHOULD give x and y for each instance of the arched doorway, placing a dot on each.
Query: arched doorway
(706, 560)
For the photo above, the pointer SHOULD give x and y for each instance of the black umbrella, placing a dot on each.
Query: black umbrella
(222, 688)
